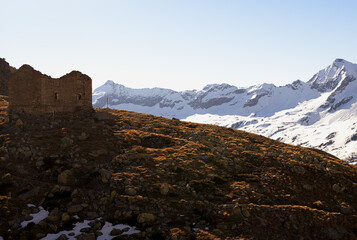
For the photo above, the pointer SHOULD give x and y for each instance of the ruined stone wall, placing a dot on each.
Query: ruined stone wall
(5, 71)
(35, 93)
(25, 90)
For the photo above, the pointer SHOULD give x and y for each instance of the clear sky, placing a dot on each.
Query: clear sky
(181, 44)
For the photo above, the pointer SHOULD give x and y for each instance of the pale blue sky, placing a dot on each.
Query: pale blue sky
(181, 44)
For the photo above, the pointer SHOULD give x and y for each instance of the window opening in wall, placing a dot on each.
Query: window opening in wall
(79, 96)
(56, 96)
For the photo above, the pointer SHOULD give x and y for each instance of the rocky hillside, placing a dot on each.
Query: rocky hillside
(112, 174)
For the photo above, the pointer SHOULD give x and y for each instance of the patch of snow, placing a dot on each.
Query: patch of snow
(36, 217)
(106, 229)
(197, 229)
(76, 230)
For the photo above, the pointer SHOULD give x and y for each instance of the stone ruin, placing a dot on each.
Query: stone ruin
(32, 92)
(5, 72)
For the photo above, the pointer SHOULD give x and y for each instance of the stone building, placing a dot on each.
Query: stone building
(5, 72)
(32, 92)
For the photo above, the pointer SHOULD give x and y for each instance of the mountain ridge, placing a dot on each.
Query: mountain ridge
(329, 94)
(211, 99)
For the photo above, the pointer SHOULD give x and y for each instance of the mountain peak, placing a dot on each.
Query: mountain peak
(109, 82)
(339, 60)
(216, 86)
(327, 79)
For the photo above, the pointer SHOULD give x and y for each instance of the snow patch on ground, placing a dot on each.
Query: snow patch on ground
(76, 230)
(106, 229)
(36, 217)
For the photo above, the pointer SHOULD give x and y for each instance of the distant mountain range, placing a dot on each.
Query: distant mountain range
(320, 113)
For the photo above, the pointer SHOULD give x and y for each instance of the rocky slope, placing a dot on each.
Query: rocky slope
(116, 174)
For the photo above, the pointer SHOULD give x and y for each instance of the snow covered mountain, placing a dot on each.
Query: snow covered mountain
(328, 122)
(320, 113)
(222, 99)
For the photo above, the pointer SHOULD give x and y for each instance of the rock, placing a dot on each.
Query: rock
(65, 217)
(164, 189)
(62, 237)
(86, 229)
(105, 174)
(130, 191)
(83, 136)
(42, 224)
(75, 209)
(40, 235)
(113, 194)
(66, 178)
(53, 227)
(335, 233)
(346, 208)
(54, 212)
(7, 119)
(92, 215)
(337, 188)
(15, 225)
(245, 212)
(298, 170)
(117, 159)
(97, 225)
(53, 218)
(86, 236)
(84, 205)
(32, 193)
(19, 123)
(146, 218)
(116, 232)
(74, 193)
(104, 116)
(39, 163)
(97, 153)
(308, 187)
(66, 142)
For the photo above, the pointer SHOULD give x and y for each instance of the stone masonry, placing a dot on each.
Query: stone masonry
(32, 92)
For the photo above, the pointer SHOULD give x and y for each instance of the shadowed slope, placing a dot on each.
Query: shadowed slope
(169, 179)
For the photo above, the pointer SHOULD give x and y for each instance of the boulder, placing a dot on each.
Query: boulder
(146, 218)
